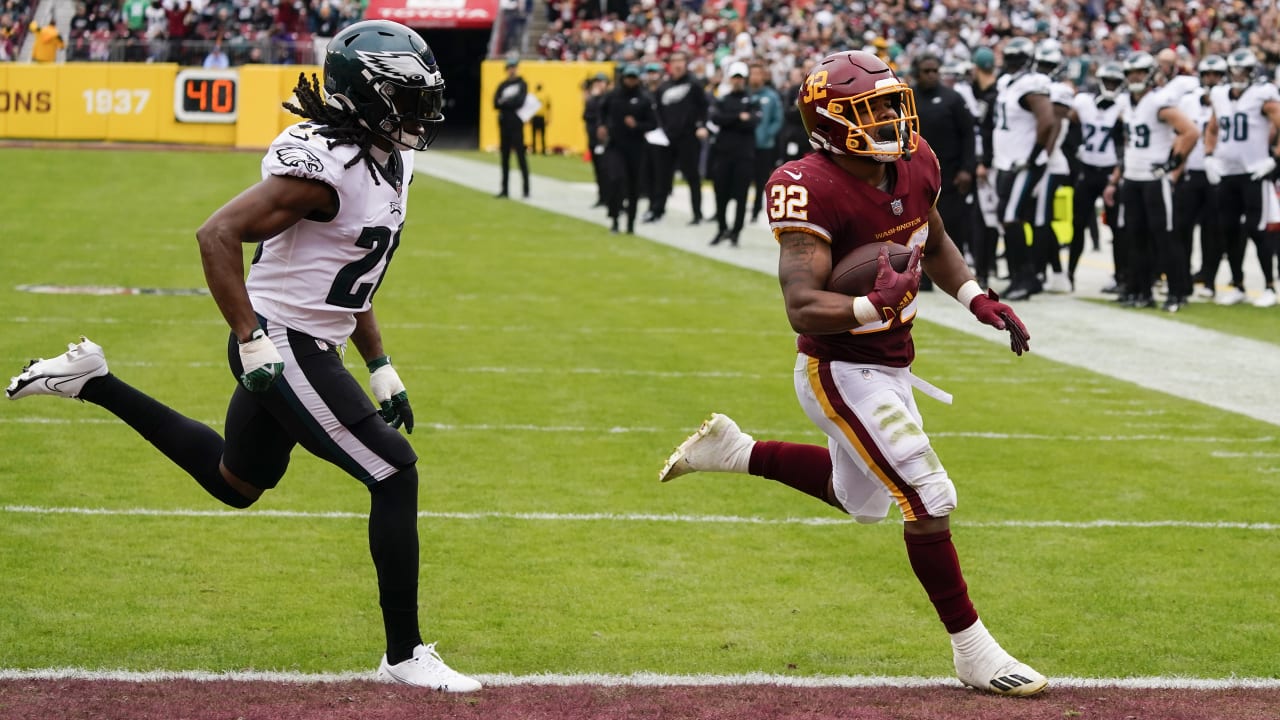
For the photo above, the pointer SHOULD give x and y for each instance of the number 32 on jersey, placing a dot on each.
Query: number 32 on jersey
(788, 202)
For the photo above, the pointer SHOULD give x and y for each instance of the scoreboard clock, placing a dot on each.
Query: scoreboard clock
(206, 96)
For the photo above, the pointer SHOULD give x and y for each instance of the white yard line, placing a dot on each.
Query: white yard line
(639, 679)
(1217, 369)
(627, 518)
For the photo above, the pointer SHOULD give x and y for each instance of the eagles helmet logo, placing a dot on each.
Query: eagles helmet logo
(294, 156)
(405, 67)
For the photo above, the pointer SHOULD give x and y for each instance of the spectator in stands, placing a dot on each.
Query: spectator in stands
(217, 57)
(48, 42)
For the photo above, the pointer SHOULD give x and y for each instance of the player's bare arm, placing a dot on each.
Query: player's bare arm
(804, 266)
(260, 212)
(1046, 118)
(1186, 133)
(1272, 110)
(942, 260)
(367, 337)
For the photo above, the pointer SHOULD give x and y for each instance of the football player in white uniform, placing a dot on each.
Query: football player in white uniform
(1158, 138)
(1050, 62)
(1025, 125)
(326, 217)
(1246, 115)
(1098, 115)
(1195, 197)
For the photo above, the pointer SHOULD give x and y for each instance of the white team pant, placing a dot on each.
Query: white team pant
(879, 452)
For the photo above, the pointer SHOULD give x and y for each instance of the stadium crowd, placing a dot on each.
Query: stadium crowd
(1178, 71)
(15, 16)
(787, 35)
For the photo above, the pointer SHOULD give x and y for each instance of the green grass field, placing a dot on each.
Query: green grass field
(552, 367)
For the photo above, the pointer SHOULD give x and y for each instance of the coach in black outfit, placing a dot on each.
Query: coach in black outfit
(626, 115)
(733, 152)
(596, 88)
(509, 98)
(682, 112)
(945, 121)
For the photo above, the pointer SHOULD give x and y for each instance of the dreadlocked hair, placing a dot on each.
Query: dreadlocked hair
(342, 127)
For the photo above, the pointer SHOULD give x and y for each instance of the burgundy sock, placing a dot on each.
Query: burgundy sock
(806, 468)
(933, 558)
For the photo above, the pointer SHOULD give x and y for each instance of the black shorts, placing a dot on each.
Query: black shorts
(316, 404)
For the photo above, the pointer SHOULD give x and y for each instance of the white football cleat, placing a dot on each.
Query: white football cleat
(1266, 299)
(1234, 296)
(986, 666)
(62, 376)
(426, 669)
(1057, 283)
(717, 446)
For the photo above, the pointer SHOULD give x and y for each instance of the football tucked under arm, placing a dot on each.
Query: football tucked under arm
(882, 278)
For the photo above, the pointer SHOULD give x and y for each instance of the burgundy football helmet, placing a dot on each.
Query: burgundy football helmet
(835, 104)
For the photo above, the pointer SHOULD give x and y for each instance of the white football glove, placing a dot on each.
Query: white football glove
(260, 361)
(1212, 170)
(389, 391)
(1262, 168)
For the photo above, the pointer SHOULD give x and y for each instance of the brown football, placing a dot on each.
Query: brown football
(855, 274)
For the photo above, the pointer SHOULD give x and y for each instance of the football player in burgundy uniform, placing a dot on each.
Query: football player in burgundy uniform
(873, 180)
(327, 217)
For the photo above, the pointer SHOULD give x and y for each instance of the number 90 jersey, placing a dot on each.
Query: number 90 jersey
(814, 195)
(316, 275)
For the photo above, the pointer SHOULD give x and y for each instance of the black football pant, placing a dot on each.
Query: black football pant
(1196, 203)
(1017, 206)
(1148, 222)
(1091, 181)
(682, 154)
(1240, 216)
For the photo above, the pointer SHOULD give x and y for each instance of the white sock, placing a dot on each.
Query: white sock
(973, 640)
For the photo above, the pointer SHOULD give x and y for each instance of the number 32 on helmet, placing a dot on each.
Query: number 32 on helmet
(843, 106)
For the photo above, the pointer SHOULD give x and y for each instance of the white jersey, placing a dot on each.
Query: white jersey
(1148, 139)
(965, 90)
(1180, 86)
(1062, 94)
(1015, 126)
(1243, 129)
(1097, 143)
(1196, 106)
(315, 276)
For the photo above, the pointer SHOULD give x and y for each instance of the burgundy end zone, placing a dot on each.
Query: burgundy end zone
(221, 700)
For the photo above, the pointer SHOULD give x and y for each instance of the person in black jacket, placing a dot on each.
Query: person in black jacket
(682, 113)
(733, 152)
(627, 114)
(793, 141)
(948, 126)
(596, 87)
(987, 236)
(508, 99)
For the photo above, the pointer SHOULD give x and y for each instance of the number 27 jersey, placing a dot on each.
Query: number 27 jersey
(315, 276)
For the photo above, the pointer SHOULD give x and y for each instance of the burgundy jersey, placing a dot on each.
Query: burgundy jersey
(814, 195)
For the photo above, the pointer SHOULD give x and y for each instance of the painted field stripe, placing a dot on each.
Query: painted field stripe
(636, 517)
(635, 679)
(683, 431)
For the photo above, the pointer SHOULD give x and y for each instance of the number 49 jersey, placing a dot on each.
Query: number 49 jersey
(316, 275)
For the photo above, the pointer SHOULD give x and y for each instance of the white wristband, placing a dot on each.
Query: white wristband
(968, 292)
(864, 311)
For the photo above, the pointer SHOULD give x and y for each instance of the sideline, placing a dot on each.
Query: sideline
(639, 679)
(1221, 370)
